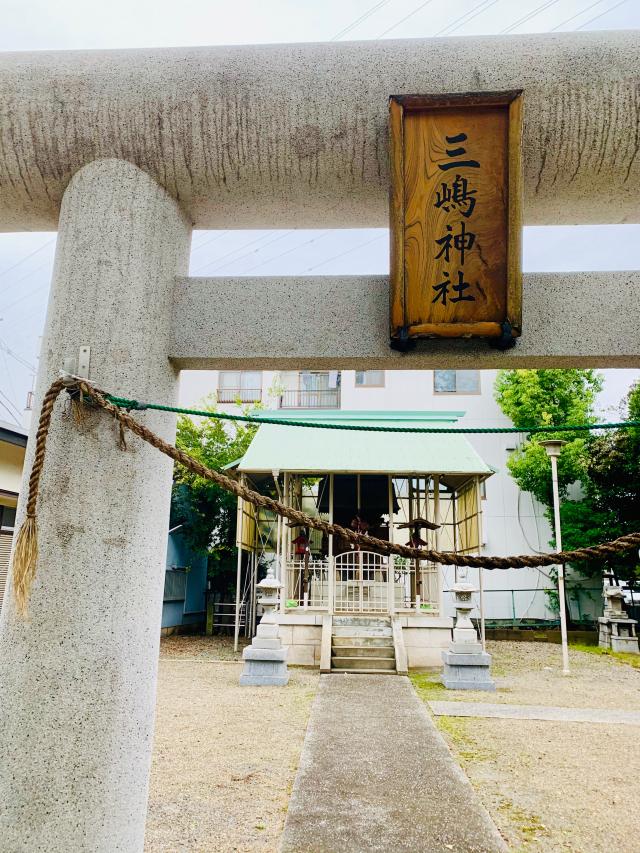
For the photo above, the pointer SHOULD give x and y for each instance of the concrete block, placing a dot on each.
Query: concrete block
(253, 654)
(625, 644)
(286, 635)
(262, 643)
(306, 635)
(302, 655)
(471, 659)
(467, 671)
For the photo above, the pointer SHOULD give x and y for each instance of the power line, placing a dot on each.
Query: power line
(4, 347)
(253, 252)
(218, 236)
(406, 18)
(10, 413)
(25, 296)
(232, 252)
(9, 284)
(26, 257)
(468, 16)
(531, 14)
(360, 20)
(16, 419)
(576, 15)
(12, 387)
(606, 12)
(288, 251)
(347, 252)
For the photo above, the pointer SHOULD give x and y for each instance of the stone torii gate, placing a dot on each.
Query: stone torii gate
(125, 152)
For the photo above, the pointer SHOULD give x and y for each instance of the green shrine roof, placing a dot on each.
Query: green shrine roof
(312, 450)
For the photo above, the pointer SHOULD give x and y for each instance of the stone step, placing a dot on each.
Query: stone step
(365, 652)
(354, 631)
(360, 662)
(340, 671)
(362, 621)
(362, 642)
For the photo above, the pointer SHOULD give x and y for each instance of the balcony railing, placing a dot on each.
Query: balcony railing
(239, 395)
(328, 398)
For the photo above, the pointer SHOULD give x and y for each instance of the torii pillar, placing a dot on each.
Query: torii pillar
(78, 676)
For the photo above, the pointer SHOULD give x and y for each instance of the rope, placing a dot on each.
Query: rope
(82, 391)
(136, 405)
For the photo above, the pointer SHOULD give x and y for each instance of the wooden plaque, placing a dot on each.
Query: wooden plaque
(456, 188)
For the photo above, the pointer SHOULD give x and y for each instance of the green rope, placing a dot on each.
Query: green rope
(135, 405)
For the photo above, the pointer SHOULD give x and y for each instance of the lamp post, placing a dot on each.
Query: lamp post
(553, 446)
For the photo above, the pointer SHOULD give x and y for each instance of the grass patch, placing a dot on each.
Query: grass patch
(528, 826)
(428, 685)
(622, 657)
(458, 733)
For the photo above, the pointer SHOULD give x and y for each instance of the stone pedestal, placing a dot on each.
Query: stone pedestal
(616, 630)
(265, 660)
(466, 665)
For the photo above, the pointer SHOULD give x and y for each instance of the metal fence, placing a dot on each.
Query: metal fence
(534, 606)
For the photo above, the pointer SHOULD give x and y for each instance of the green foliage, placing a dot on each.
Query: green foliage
(607, 465)
(207, 512)
(548, 398)
(611, 505)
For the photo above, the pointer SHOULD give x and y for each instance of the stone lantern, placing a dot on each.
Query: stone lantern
(265, 660)
(617, 630)
(466, 664)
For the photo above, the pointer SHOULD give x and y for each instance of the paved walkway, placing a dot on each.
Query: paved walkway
(376, 775)
(535, 712)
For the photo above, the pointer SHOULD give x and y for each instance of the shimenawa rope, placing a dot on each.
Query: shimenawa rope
(26, 549)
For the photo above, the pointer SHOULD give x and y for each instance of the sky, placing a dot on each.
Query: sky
(26, 259)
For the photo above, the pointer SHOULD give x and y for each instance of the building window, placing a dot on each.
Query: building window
(239, 386)
(370, 378)
(7, 519)
(456, 381)
(317, 389)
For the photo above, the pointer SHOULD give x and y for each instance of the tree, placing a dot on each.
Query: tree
(548, 398)
(607, 465)
(611, 505)
(207, 512)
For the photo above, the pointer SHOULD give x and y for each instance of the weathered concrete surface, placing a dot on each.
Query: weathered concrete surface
(375, 775)
(78, 679)
(296, 135)
(578, 319)
(535, 712)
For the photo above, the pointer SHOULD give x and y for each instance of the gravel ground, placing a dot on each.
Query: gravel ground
(552, 786)
(202, 648)
(225, 756)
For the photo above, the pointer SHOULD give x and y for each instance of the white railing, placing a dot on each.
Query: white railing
(361, 584)
(307, 583)
(408, 588)
(239, 395)
(323, 398)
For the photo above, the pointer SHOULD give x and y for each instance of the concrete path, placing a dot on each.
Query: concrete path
(376, 775)
(535, 712)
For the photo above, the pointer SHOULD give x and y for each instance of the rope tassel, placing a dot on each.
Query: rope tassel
(25, 553)
(25, 557)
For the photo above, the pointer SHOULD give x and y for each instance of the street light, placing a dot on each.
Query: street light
(553, 446)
